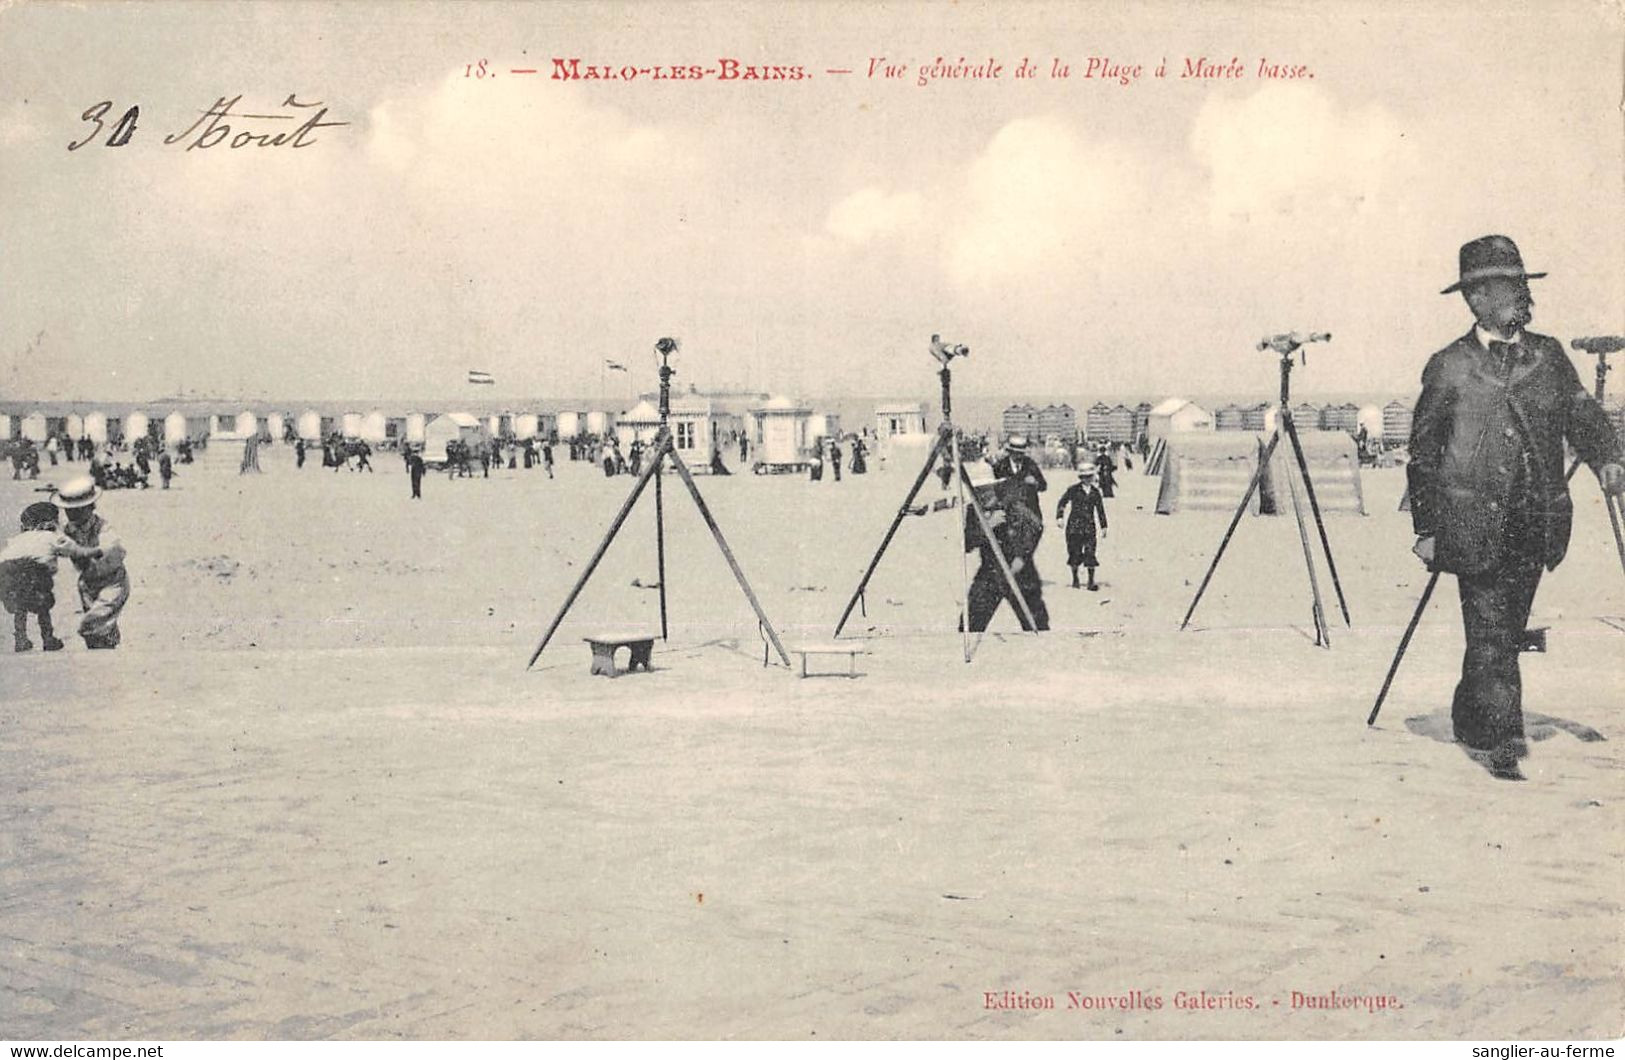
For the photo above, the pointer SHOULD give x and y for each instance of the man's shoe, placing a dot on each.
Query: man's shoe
(1504, 762)
(24, 644)
(52, 643)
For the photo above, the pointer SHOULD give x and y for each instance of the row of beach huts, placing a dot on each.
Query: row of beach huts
(779, 429)
(1131, 423)
(1388, 424)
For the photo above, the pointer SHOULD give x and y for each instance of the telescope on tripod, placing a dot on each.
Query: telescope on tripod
(1285, 345)
(663, 450)
(946, 449)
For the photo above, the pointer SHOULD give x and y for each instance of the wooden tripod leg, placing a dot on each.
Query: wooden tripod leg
(660, 547)
(592, 564)
(727, 553)
(1322, 635)
(1028, 622)
(1404, 642)
(964, 562)
(1235, 520)
(1613, 503)
(1314, 508)
(891, 531)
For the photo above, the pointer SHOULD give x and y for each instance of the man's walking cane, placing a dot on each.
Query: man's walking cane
(1404, 642)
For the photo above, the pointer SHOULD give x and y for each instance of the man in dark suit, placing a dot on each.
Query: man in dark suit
(1489, 499)
(1017, 528)
(1020, 468)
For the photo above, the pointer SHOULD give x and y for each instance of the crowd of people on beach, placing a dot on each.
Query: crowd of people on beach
(113, 465)
(27, 457)
(829, 449)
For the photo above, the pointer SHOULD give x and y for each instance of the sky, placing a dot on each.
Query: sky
(1081, 235)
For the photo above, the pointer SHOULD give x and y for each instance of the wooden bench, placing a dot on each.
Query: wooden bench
(641, 646)
(850, 648)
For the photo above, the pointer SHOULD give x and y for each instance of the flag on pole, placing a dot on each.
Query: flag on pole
(480, 378)
(614, 366)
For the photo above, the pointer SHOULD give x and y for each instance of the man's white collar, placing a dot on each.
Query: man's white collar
(1486, 336)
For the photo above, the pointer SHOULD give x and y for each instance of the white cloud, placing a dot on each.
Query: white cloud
(1289, 151)
(1037, 198)
(523, 147)
(871, 213)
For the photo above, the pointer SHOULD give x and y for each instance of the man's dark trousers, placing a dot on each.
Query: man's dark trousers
(1488, 706)
(988, 589)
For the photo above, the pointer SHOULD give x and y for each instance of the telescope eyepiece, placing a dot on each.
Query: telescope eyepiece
(947, 351)
(1600, 344)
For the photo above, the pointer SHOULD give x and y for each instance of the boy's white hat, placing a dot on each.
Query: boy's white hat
(78, 492)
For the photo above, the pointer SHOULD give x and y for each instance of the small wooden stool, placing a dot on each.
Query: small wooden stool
(850, 648)
(641, 646)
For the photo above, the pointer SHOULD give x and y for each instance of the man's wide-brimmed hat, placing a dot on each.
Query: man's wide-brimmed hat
(78, 493)
(1088, 471)
(1016, 441)
(1488, 258)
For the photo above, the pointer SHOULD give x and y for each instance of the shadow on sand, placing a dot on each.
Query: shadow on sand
(1537, 727)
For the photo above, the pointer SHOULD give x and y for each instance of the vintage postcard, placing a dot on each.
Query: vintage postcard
(811, 521)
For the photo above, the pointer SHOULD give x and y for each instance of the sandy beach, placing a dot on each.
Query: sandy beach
(316, 794)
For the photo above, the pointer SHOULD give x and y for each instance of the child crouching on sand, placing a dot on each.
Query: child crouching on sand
(28, 573)
(104, 584)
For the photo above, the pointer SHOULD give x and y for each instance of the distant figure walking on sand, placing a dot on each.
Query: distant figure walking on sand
(104, 584)
(1106, 468)
(414, 467)
(166, 467)
(1087, 509)
(251, 455)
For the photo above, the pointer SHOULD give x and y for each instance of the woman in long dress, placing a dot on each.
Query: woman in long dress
(251, 455)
